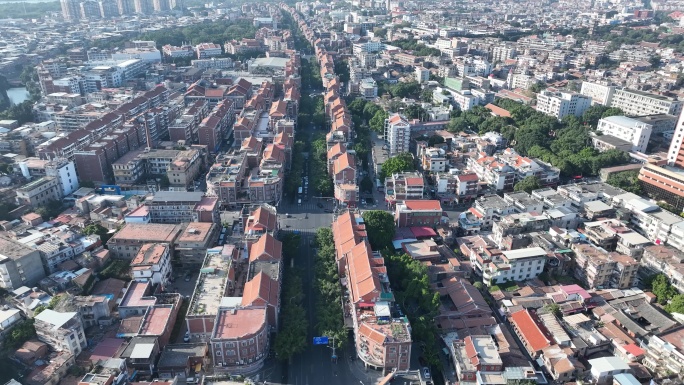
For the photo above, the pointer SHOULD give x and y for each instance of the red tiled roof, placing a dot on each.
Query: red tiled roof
(530, 330)
(423, 205)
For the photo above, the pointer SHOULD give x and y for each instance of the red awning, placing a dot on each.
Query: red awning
(366, 304)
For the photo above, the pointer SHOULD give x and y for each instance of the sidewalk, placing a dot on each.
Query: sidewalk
(359, 371)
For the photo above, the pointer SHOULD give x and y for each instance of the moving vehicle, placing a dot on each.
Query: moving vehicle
(187, 278)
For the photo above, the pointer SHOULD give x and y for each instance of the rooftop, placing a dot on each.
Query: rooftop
(239, 323)
(177, 196)
(150, 254)
(152, 232)
(177, 355)
(156, 320)
(212, 282)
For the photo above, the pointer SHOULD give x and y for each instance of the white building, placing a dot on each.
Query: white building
(422, 75)
(152, 264)
(207, 50)
(368, 46)
(62, 331)
(175, 52)
(562, 104)
(512, 265)
(599, 93)
(397, 134)
(634, 131)
(677, 145)
(640, 103)
(368, 88)
(603, 369)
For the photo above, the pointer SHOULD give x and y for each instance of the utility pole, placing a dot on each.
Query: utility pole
(334, 356)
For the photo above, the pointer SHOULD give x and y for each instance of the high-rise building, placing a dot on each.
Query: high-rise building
(126, 7)
(675, 155)
(90, 9)
(143, 6)
(397, 134)
(70, 9)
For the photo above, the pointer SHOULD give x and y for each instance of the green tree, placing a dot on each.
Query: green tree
(626, 180)
(592, 115)
(399, 163)
(415, 111)
(291, 339)
(99, 230)
(377, 123)
(380, 33)
(380, 228)
(662, 289)
(20, 334)
(405, 90)
(553, 308)
(164, 182)
(538, 87)
(366, 184)
(434, 140)
(426, 96)
(676, 305)
(528, 184)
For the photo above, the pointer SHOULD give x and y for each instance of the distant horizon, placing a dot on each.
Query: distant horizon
(27, 1)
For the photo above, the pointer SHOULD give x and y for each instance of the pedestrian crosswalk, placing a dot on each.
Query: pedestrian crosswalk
(311, 206)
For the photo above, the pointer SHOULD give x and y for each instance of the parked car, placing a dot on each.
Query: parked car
(426, 373)
(186, 337)
(187, 278)
(320, 205)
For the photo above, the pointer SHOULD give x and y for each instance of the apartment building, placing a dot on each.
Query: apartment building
(665, 354)
(499, 175)
(658, 225)
(181, 206)
(476, 354)
(240, 340)
(600, 269)
(62, 331)
(152, 264)
(665, 260)
(418, 213)
(519, 223)
(39, 192)
(599, 93)
(422, 74)
(20, 265)
(631, 130)
(453, 188)
(192, 244)
(434, 160)
(207, 50)
(216, 281)
(397, 134)
(225, 178)
(664, 183)
(675, 154)
(126, 243)
(181, 167)
(404, 186)
(562, 104)
(639, 103)
(511, 265)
